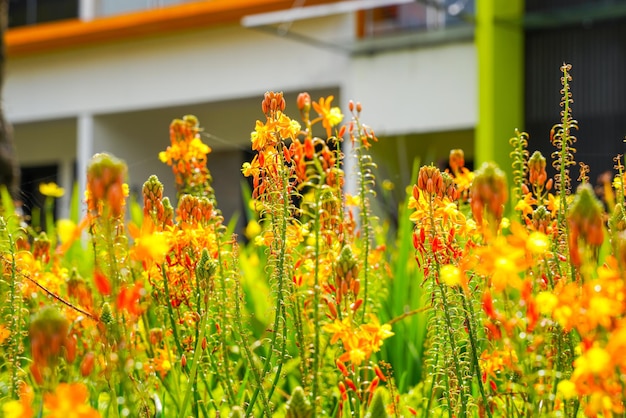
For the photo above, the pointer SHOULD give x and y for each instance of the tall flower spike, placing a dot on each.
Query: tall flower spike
(519, 155)
(562, 139)
(187, 155)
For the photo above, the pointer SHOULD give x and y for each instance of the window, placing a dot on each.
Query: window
(30, 12)
(418, 15)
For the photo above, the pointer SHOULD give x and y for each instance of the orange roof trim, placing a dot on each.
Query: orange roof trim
(68, 33)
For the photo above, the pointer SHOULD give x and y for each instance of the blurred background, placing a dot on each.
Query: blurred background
(86, 76)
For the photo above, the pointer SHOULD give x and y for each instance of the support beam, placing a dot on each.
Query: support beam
(84, 152)
(500, 44)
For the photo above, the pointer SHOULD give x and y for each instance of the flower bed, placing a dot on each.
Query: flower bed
(320, 312)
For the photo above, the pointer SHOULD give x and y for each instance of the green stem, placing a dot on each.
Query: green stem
(280, 272)
(226, 373)
(14, 324)
(432, 387)
(316, 302)
(450, 329)
(251, 364)
(170, 311)
(469, 317)
(453, 348)
(366, 230)
(191, 385)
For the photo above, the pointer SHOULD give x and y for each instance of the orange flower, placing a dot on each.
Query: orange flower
(4, 333)
(330, 116)
(69, 400)
(129, 297)
(102, 283)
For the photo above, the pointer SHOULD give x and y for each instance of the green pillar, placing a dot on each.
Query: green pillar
(500, 45)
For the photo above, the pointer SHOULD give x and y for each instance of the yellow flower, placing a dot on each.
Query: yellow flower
(330, 116)
(567, 389)
(51, 190)
(546, 301)
(538, 243)
(262, 136)
(252, 229)
(352, 200)
(376, 333)
(17, 409)
(595, 361)
(341, 329)
(388, 185)
(152, 247)
(287, 128)
(163, 363)
(526, 204)
(450, 275)
(66, 230)
(21, 408)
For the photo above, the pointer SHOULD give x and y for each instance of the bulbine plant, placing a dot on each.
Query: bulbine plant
(152, 307)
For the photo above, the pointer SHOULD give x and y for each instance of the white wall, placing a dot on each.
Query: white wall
(177, 69)
(416, 90)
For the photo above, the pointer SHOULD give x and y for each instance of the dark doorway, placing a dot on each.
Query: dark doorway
(32, 200)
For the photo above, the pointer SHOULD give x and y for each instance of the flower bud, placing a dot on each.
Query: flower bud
(450, 187)
(430, 180)
(106, 316)
(298, 405)
(273, 102)
(541, 219)
(537, 175)
(86, 366)
(304, 102)
(585, 221)
(488, 193)
(105, 190)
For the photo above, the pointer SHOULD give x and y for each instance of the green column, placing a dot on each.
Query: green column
(500, 45)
